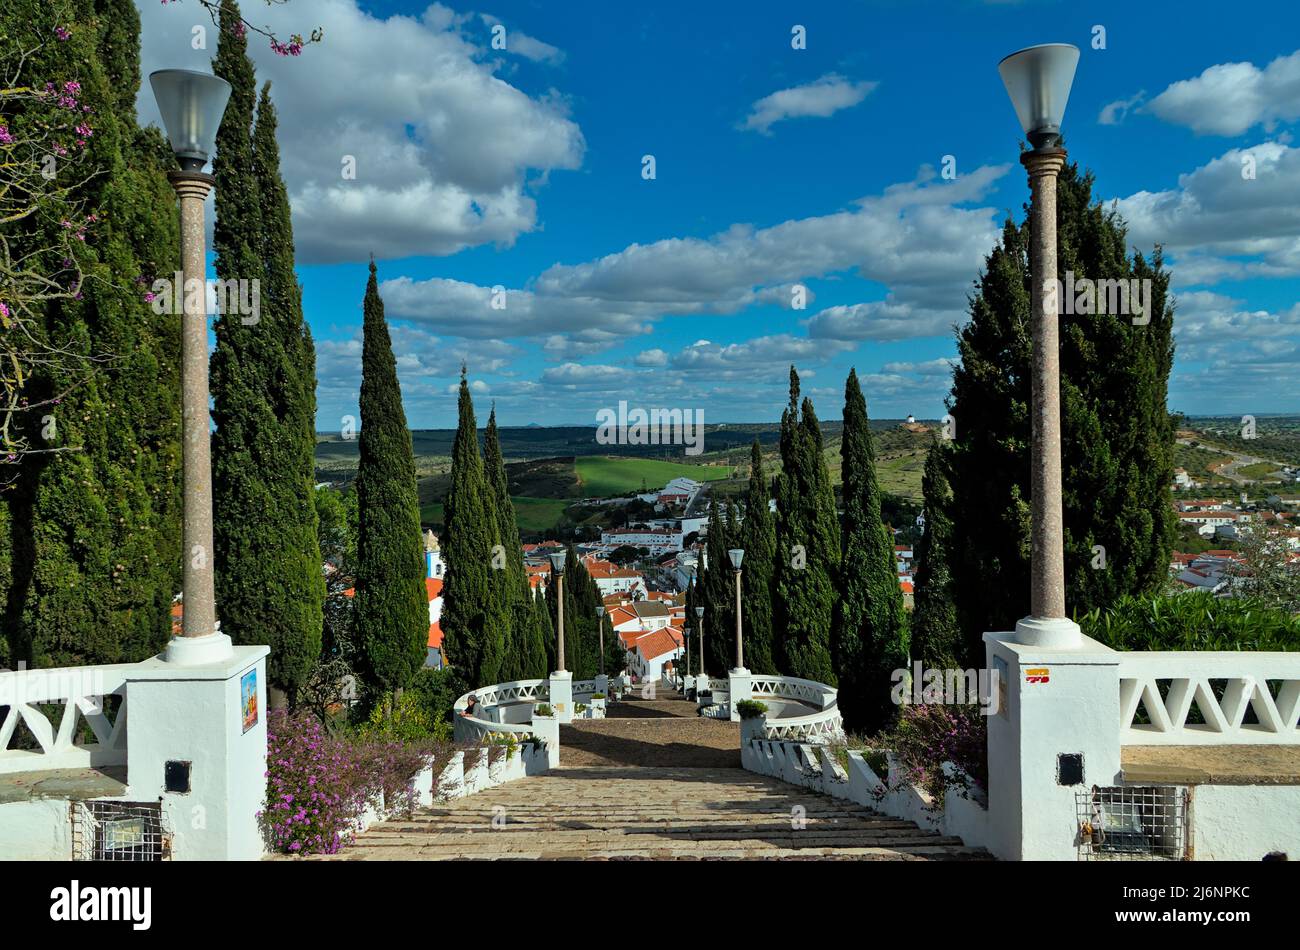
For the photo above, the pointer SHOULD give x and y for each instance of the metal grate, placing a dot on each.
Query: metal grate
(119, 831)
(1133, 823)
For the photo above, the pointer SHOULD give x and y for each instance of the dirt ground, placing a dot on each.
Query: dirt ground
(663, 732)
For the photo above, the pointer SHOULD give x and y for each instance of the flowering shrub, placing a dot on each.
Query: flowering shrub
(928, 735)
(318, 786)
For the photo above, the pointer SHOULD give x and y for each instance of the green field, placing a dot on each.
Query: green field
(531, 514)
(602, 476)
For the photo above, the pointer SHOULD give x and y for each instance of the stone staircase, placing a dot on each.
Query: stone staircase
(650, 813)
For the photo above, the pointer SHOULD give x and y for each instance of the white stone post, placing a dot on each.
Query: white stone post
(562, 695)
(740, 686)
(1052, 702)
(197, 716)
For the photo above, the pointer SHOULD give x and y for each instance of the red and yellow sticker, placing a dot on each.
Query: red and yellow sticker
(1037, 674)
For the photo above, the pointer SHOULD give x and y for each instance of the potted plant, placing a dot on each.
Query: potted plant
(543, 711)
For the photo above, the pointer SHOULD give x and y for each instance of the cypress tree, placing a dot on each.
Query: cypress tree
(808, 544)
(268, 566)
(392, 606)
(936, 639)
(519, 626)
(91, 538)
(717, 594)
(870, 632)
(758, 538)
(1117, 435)
(473, 619)
(542, 641)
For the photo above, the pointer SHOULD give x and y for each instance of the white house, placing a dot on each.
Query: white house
(650, 651)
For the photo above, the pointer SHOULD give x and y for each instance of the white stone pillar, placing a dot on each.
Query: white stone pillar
(1052, 702)
(740, 687)
(198, 718)
(562, 695)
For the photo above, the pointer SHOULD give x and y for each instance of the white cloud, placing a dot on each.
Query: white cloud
(525, 45)
(1218, 211)
(444, 149)
(1230, 98)
(1113, 113)
(884, 320)
(936, 367)
(740, 360)
(913, 238)
(820, 99)
(655, 357)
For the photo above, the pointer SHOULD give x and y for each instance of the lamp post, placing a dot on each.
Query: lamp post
(699, 620)
(1038, 81)
(737, 555)
(557, 569)
(600, 624)
(192, 105)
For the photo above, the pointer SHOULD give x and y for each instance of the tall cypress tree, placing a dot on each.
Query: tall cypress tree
(808, 544)
(936, 639)
(473, 618)
(542, 643)
(392, 606)
(1117, 435)
(519, 627)
(268, 570)
(758, 538)
(870, 633)
(717, 593)
(91, 538)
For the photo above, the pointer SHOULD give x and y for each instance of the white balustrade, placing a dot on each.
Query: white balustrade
(491, 705)
(821, 724)
(1228, 688)
(81, 692)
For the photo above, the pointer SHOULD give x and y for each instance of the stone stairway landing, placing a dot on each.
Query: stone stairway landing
(650, 813)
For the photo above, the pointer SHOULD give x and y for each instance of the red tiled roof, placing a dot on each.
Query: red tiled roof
(657, 643)
(435, 635)
(433, 586)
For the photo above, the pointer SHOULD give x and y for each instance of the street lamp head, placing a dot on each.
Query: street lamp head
(557, 561)
(600, 611)
(737, 555)
(192, 104)
(1038, 80)
(699, 613)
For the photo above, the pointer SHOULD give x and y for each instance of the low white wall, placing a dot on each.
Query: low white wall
(815, 768)
(1245, 822)
(38, 830)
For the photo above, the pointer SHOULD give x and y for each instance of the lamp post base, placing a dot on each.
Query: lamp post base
(1052, 632)
(198, 651)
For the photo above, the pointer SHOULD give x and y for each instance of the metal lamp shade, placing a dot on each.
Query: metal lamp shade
(600, 611)
(736, 555)
(192, 105)
(699, 613)
(557, 561)
(1038, 80)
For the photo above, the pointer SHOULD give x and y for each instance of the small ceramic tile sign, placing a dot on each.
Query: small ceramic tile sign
(1037, 674)
(248, 694)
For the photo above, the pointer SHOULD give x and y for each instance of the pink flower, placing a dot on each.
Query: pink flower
(62, 33)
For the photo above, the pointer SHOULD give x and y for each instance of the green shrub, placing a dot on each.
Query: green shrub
(751, 708)
(543, 709)
(597, 695)
(1191, 621)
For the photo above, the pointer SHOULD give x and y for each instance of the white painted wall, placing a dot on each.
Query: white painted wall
(1245, 822)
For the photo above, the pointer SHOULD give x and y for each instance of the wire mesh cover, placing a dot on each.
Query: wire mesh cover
(119, 831)
(1132, 823)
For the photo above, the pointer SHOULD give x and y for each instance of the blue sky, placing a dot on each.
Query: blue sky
(775, 167)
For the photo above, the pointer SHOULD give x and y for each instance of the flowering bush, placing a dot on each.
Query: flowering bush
(928, 735)
(318, 786)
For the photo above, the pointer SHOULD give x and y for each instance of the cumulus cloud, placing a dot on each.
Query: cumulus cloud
(1244, 204)
(1113, 113)
(819, 99)
(1229, 98)
(446, 153)
(655, 357)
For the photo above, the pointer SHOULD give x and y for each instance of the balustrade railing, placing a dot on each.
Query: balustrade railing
(33, 698)
(821, 724)
(1242, 698)
(491, 703)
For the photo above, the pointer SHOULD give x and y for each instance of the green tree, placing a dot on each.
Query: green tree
(269, 583)
(392, 606)
(1117, 434)
(519, 629)
(758, 538)
(808, 545)
(870, 637)
(936, 638)
(717, 594)
(90, 534)
(474, 618)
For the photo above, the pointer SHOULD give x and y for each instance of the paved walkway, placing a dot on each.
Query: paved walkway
(664, 732)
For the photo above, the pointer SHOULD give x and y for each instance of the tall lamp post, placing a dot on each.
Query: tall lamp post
(737, 555)
(600, 624)
(699, 621)
(192, 105)
(1038, 80)
(557, 570)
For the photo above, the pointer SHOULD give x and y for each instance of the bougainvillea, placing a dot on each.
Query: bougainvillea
(928, 735)
(318, 786)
